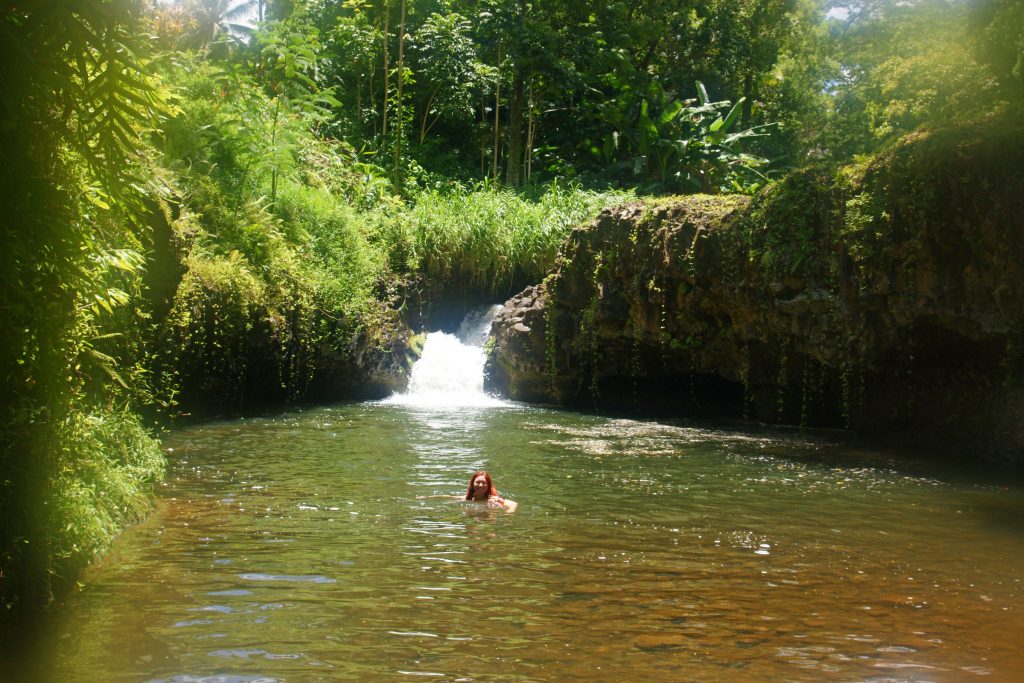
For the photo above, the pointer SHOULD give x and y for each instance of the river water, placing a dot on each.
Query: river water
(300, 547)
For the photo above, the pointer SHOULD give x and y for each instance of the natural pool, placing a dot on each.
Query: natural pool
(305, 546)
(295, 548)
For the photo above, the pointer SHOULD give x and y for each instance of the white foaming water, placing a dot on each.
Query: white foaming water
(450, 372)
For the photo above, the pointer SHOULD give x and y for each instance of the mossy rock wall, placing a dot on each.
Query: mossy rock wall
(887, 297)
(235, 340)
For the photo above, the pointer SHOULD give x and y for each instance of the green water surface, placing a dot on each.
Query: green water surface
(297, 548)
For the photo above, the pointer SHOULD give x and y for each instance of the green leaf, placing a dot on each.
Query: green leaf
(101, 358)
(104, 303)
(648, 131)
(718, 133)
(114, 375)
(670, 112)
(93, 199)
(702, 94)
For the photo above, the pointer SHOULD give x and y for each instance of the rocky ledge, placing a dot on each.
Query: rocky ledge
(887, 298)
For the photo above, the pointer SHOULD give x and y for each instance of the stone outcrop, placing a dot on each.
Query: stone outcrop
(231, 343)
(374, 364)
(263, 364)
(887, 298)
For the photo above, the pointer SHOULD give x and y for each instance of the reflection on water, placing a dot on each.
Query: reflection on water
(295, 548)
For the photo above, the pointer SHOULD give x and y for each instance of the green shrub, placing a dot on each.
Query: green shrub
(109, 464)
(345, 266)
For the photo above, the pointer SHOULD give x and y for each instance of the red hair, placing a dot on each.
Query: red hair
(491, 491)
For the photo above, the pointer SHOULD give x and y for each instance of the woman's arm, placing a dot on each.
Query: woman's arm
(498, 501)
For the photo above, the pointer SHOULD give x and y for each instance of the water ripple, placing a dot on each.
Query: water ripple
(286, 577)
(638, 549)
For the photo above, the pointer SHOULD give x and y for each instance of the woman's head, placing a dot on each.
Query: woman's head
(480, 487)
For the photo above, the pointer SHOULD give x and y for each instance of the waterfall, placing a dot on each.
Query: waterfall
(450, 372)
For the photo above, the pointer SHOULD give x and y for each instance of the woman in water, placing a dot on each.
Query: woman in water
(481, 490)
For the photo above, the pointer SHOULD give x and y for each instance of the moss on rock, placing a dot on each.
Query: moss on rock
(884, 296)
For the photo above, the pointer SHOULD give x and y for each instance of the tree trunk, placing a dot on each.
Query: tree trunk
(514, 163)
(514, 167)
(748, 76)
(531, 128)
(483, 136)
(399, 106)
(384, 115)
(497, 127)
(369, 99)
(273, 145)
(748, 103)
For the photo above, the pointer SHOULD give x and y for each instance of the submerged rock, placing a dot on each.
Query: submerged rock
(887, 298)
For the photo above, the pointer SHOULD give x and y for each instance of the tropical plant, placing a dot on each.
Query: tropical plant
(687, 145)
(78, 101)
(351, 63)
(217, 24)
(446, 67)
(290, 51)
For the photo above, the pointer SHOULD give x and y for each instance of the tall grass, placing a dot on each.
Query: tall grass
(491, 239)
(108, 467)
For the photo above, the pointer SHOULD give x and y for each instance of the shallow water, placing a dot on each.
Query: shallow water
(295, 548)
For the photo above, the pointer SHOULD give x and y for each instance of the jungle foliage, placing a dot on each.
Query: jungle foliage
(193, 187)
(75, 462)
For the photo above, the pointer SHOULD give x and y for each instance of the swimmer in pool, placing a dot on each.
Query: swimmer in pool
(481, 490)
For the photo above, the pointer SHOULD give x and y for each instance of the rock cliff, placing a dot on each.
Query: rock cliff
(229, 342)
(887, 298)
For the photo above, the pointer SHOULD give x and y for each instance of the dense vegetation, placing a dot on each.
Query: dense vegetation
(191, 188)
